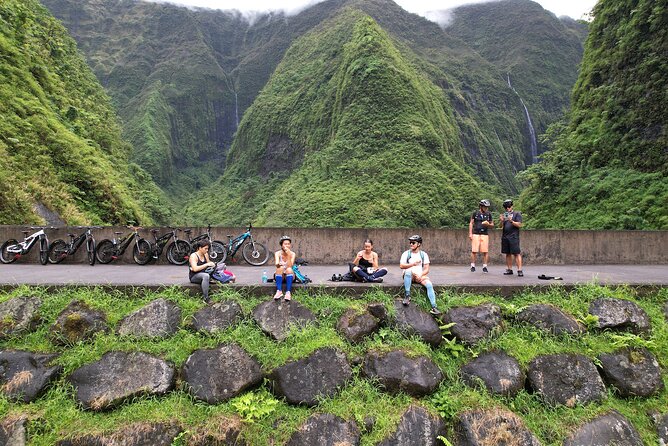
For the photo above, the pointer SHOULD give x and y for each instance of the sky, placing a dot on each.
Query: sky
(573, 8)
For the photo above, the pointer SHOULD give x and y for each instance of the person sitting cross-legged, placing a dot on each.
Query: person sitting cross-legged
(366, 264)
(415, 264)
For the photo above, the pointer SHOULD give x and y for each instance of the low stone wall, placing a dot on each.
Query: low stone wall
(444, 246)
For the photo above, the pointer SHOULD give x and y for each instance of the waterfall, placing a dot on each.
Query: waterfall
(532, 132)
(236, 110)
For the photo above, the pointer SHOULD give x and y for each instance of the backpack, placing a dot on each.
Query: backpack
(299, 276)
(408, 253)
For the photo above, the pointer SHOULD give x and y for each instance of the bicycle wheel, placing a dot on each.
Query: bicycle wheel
(178, 252)
(43, 251)
(5, 255)
(105, 251)
(217, 252)
(142, 252)
(90, 250)
(255, 253)
(57, 251)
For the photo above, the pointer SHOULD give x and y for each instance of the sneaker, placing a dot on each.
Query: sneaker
(288, 296)
(339, 278)
(378, 280)
(406, 300)
(473, 269)
(334, 279)
(484, 269)
(434, 311)
(520, 273)
(278, 295)
(509, 272)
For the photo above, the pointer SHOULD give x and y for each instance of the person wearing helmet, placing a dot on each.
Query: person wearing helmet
(284, 259)
(511, 221)
(415, 264)
(481, 221)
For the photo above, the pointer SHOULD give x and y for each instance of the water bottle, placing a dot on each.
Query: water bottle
(264, 276)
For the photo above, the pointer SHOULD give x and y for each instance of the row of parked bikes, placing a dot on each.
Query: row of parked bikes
(144, 251)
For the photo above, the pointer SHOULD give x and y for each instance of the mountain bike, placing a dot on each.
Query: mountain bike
(60, 249)
(12, 249)
(108, 250)
(177, 251)
(217, 252)
(255, 253)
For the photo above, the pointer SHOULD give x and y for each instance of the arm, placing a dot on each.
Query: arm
(374, 260)
(425, 269)
(357, 258)
(291, 259)
(490, 221)
(403, 265)
(471, 229)
(194, 267)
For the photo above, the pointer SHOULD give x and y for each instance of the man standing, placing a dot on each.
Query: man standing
(481, 221)
(510, 239)
(415, 264)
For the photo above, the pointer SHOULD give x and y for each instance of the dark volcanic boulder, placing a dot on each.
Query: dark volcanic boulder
(567, 379)
(378, 310)
(275, 318)
(661, 423)
(319, 375)
(13, 431)
(550, 318)
(217, 316)
(412, 320)
(620, 314)
(138, 434)
(77, 322)
(416, 427)
(499, 373)
(473, 324)
(398, 372)
(355, 327)
(18, 315)
(24, 375)
(219, 431)
(632, 372)
(610, 429)
(118, 376)
(159, 318)
(492, 427)
(325, 430)
(216, 375)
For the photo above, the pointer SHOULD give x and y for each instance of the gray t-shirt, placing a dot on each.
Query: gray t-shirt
(509, 230)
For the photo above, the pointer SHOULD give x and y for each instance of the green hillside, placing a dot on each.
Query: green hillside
(609, 165)
(61, 155)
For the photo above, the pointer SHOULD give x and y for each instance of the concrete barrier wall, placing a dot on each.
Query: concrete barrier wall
(444, 246)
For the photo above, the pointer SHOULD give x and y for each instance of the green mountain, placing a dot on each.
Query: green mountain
(61, 155)
(609, 165)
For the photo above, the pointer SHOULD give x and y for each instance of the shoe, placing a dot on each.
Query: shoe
(434, 311)
(406, 300)
(484, 269)
(288, 296)
(509, 272)
(473, 269)
(377, 280)
(334, 279)
(278, 295)
(339, 278)
(520, 273)
(207, 299)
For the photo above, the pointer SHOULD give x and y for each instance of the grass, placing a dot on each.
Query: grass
(56, 415)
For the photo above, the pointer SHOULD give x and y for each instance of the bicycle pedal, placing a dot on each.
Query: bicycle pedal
(114, 257)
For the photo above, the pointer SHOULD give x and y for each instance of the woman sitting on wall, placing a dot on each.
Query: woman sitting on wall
(199, 262)
(366, 264)
(284, 259)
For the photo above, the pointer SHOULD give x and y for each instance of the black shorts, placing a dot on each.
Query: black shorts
(510, 245)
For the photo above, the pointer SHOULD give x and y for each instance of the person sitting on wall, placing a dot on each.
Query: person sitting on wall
(284, 259)
(366, 265)
(415, 264)
(199, 262)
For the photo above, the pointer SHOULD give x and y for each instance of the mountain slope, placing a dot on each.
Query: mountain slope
(346, 133)
(61, 155)
(609, 166)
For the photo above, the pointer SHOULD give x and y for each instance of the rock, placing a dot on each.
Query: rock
(397, 372)
(632, 372)
(26, 375)
(412, 320)
(319, 375)
(661, 423)
(619, 314)
(610, 429)
(550, 318)
(492, 427)
(378, 310)
(158, 319)
(500, 373)
(416, 427)
(355, 327)
(118, 376)
(217, 316)
(325, 430)
(222, 431)
(13, 431)
(216, 375)
(77, 322)
(138, 434)
(18, 315)
(473, 324)
(567, 379)
(275, 318)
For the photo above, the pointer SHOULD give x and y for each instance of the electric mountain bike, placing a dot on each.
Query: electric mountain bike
(12, 249)
(60, 249)
(108, 250)
(177, 251)
(217, 252)
(255, 253)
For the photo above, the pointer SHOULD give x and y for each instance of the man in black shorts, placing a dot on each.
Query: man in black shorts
(511, 221)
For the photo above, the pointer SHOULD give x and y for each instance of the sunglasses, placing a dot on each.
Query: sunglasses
(413, 243)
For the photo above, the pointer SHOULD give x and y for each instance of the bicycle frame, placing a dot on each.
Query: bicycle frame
(161, 242)
(233, 244)
(122, 244)
(76, 242)
(27, 243)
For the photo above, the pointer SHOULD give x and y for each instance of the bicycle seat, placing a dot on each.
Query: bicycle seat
(71, 235)
(25, 232)
(117, 232)
(229, 236)
(188, 231)
(154, 231)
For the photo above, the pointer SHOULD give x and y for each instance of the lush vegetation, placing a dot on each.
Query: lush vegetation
(271, 421)
(60, 144)
(609, 165)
